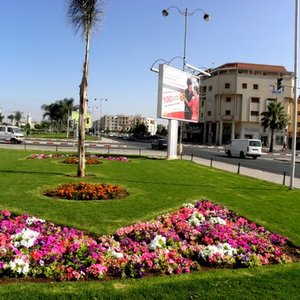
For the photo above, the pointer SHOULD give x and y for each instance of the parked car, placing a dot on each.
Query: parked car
(243, 148)
(11, 134)
(159, 144)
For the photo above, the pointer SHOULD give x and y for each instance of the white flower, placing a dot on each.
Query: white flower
(226, 249)
(208, 251)
(116, 254)
(223, 249)
(112, 252)
(24, 238)
(188, 205)
(158, 242)
(217, 220)
(31, 220)
(19, 265)
(196, 219)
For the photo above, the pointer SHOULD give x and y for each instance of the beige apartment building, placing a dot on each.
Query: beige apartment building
(123, 123)
(233, 98)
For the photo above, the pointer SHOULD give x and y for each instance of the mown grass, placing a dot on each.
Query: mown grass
(155, 187)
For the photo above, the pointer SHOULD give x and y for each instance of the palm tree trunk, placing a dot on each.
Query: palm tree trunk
(82, 110)
(272, 141)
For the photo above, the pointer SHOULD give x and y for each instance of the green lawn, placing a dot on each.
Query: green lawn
(155, 187)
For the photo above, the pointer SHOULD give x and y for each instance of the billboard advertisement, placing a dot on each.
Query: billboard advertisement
(178, 95)
(88, 118)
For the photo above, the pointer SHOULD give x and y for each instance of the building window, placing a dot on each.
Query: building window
(254, 100)
(204, 89)
(227, 85)
(227, 112)
(210, 88)
(244, 85)
(209, 113)
(255, 86)
(254, 113)
(228, 99)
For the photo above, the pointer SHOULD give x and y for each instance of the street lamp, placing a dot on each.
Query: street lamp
(100, 110)
(294, 136)
(186, 14)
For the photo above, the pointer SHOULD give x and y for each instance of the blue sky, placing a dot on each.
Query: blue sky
(41, 56)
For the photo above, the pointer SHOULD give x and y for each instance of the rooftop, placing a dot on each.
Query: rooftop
(253, 67)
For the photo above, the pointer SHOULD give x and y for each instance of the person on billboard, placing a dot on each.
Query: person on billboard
(188, 93)
(193, 104)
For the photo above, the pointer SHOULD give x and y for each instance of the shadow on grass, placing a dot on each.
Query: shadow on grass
(158, 182)
(33, 172)
(212, 185)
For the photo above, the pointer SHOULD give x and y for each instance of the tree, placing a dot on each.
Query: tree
(1, 117)
(161, 130)
(84, 15)
(274, 118)
(11, 118)
(57, 112)
(140, 129)
(18, 117)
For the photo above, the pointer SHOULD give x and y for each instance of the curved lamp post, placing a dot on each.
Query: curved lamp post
(295, 114)
(172, 123)
(100, 110)
(186, 14)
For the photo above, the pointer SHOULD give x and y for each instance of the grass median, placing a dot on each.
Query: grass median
(155, 187)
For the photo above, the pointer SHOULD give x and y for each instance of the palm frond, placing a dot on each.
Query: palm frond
(85, 15)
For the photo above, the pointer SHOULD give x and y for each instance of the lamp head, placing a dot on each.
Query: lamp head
(165, 12)
(206, 17)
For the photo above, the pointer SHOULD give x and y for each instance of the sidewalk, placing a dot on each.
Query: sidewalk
(262, 175)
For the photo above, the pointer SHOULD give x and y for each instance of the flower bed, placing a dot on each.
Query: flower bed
(87, 191)
(90, 156)
(204, 234)
(88, 161)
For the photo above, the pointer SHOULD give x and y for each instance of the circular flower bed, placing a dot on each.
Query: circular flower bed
(204, 234)
(88, 161)
(87, 191)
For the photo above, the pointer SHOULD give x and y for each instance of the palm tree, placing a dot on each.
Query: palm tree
(1, 118)
(57, 112)
(84, 15)
(11, 118)
(18, 117)
(274, 118)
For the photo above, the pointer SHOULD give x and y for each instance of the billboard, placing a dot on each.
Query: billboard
(88, 118)
(178, 95)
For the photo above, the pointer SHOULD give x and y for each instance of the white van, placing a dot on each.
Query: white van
(243, 148)
(11, 134)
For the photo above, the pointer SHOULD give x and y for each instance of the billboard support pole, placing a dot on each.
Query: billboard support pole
(172, 139)
(186, 14)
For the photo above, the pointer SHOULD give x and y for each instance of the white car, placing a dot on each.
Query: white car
(243, 148)
(11, 134)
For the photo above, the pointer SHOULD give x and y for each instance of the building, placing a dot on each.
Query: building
(151, 125)
(122, 123)
(234, 96)
(290, 127)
